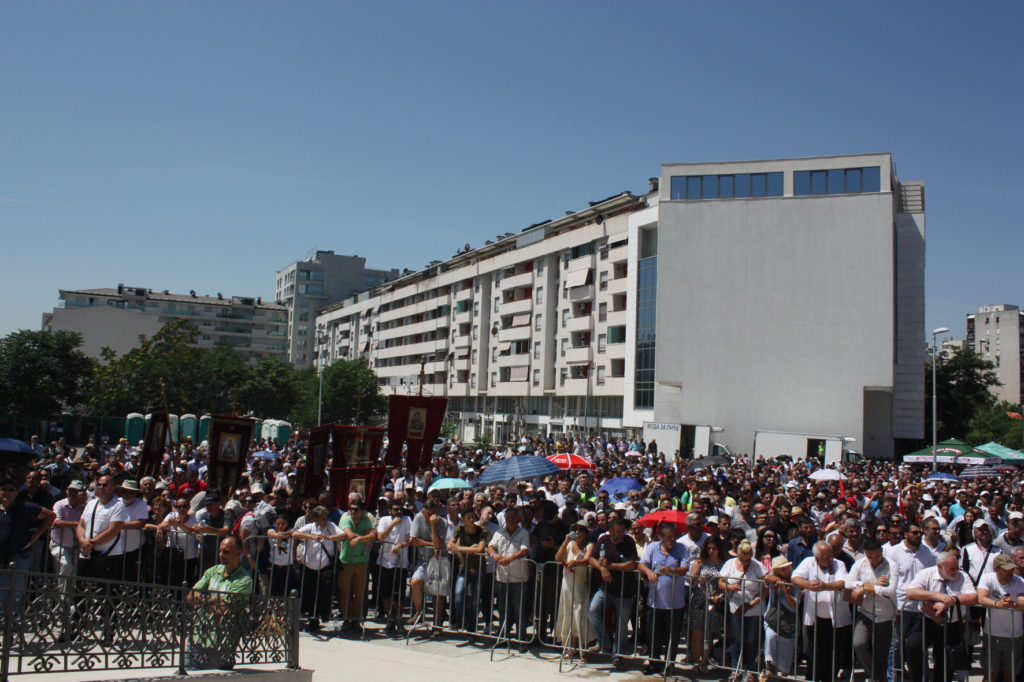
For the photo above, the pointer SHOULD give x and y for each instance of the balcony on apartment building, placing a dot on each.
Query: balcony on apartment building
(515, 327)
(520, 276)
(518, 300)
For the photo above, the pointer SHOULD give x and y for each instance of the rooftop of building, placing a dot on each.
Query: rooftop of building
(123, 291)
(596, 211)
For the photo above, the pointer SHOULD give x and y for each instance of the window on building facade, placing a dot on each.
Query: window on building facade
(603, 281)
(536, 377)
(565, 317)
(617, 334)
(562, 376)
(600, 375)
(601, 343)
(837, 181)
(536, 350)
(565, 346)
(740, 185)
(602, 312)
(494, 379)
(537, 322)
(540, 294)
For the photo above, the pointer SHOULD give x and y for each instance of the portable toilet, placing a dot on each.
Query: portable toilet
(284, 431)
(173, 431)
(204, 427)
(269, 430)
(134, 427)
(187, 426)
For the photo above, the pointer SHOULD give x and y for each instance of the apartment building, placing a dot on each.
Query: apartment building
(115, 318)
(307, 286)
(780, 295)
(995, 333)
(532, 332)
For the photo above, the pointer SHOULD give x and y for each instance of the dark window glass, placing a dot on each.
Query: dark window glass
(710, 190)
(725, 186)
(801, 183)
(818, 182)
(836, 182)
(853, 180)
(678, 187)
(742, 185)
(693, 187)
(757, 184)
(872, 179)
(774, 185)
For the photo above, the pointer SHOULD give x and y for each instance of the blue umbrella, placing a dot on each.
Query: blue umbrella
(449, 484)
(942, 476)
(14, 451)
(618, 488)
(266, 454)
(517, 468)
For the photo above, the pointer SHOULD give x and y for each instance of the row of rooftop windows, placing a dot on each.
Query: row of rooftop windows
(805, 183)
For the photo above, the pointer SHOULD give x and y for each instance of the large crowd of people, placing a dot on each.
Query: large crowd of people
(875, 569)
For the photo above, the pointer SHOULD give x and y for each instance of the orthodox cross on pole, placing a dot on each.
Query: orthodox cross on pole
(360, 394)
(163, 398)
(234, 401)
(423, 372)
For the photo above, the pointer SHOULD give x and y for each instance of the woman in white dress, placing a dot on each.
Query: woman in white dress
(572, 624)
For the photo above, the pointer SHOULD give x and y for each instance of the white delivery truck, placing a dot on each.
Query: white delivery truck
(798, 446)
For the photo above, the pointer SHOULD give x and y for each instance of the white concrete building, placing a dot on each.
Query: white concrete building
(789, 298)
(995, 333)
(307, 286)
(117, 317)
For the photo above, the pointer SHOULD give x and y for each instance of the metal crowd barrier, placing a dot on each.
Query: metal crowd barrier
(565, 611)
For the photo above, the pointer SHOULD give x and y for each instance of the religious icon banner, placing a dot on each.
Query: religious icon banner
(229, 439)
(415, 420)
(366, 481)
(314, 475)
(356, 446)
(152, 455)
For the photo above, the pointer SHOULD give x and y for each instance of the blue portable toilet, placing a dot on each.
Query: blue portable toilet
(134, 428)
(188, 426)
(204, 427)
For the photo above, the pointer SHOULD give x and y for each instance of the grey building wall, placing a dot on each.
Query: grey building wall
(779, 314)
(105, 325)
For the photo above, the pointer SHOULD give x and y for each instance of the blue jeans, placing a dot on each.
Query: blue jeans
(22, 562)
(512, 609)
(467, 596)
(744, 641)
(623, 612)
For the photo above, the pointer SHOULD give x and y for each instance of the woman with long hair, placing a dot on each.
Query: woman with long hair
(706, 612)
(767, 547)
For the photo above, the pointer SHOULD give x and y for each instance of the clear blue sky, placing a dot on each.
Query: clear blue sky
(205, 145)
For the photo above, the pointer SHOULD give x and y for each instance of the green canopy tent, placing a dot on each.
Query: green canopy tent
(951, 451)
(1005, 454)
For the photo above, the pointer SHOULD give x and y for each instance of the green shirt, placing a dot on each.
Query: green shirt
(222, 628)
(356, 554)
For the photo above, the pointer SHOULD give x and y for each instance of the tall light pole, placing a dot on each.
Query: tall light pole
(321, 339)
(935, 399)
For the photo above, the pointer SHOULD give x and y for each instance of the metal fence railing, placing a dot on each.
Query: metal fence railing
(747, 628)
(53, 624)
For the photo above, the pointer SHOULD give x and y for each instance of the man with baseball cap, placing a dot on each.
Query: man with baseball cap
(1002, 593)
(67, 512)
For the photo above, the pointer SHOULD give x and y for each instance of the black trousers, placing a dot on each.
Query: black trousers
(666, 628)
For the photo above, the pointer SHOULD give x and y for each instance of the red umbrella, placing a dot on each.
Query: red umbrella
(675, 516)
(568, 461)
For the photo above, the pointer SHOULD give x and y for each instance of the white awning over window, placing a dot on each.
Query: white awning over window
(462, 341)
(577, 278)
(519, 373)
(504, 348)
(521, 319)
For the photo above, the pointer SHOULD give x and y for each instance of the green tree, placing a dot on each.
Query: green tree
(42, 372)
(220, 382)
(270, 389)
(347, 384)
(994, 424)
(132, 381)
(964, 385)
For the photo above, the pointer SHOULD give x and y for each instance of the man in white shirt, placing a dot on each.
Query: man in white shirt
(874, 592)
(393, 558)
(132, 535)
(508, 548)
(937, 589)
(826, 616)
(932, 540)
(979, 554)
(68, 512)
(907, 559)
(695, 536)
(1001, 592)
(101, 553)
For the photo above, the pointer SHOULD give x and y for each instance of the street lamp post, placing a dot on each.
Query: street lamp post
(935, 398)
(321, 339)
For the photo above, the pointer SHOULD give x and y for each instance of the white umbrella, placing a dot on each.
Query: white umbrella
(827, 475)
